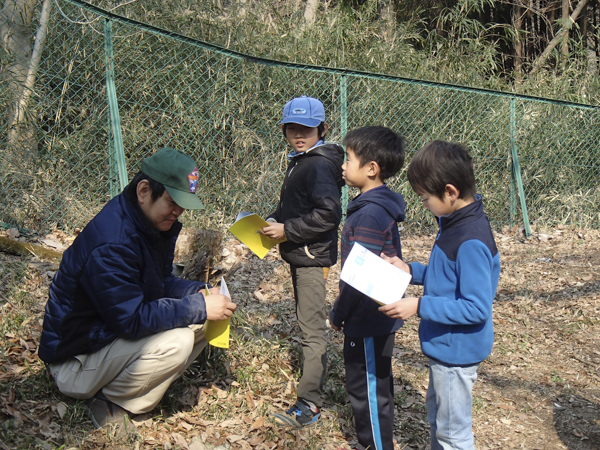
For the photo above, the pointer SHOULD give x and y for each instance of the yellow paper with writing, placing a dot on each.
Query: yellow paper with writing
(246, 229)
(216, 332)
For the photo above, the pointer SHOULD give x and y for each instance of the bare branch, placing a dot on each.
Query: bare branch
(559, 36)
(40, 39)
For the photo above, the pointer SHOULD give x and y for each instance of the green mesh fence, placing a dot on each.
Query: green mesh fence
(109, 91)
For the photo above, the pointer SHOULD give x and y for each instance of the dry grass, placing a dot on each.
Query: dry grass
(540, 388)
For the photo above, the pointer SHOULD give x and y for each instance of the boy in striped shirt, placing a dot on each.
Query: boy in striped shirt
(374, 154)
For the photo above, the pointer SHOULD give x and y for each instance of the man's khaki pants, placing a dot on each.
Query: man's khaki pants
(133, 374)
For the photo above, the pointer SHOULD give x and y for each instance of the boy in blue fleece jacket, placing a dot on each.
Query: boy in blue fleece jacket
(460, 281)
(374, 154)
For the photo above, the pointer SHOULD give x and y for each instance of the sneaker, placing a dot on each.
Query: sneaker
(103, 412)
(302, 414)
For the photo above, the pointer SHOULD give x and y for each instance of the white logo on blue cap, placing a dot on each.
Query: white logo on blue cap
(307, 111)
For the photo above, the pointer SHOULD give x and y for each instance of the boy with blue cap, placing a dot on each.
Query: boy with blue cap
(308, 215)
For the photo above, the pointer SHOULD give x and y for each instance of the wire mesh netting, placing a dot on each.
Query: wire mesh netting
(60, 156)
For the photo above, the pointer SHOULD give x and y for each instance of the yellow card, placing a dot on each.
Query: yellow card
(246, 229)
(216, 332)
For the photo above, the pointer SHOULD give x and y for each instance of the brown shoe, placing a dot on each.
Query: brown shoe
(103, 412)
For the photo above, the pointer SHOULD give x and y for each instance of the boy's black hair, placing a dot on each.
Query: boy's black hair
(157, 189)
(320, 129)
(379, 144)
(440, 163)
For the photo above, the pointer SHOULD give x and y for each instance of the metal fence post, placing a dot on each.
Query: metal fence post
(116, 152)
(516, 170)
(343, 131)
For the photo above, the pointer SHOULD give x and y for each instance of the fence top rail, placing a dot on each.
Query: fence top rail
(308, 67)
(313, 68)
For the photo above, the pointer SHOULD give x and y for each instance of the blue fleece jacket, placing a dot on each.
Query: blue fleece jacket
(459, 288)
(372, 221)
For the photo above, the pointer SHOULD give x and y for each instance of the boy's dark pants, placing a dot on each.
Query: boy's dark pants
(310, 293)
(370, 386)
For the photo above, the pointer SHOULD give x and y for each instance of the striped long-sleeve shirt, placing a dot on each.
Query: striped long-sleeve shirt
(372, 219)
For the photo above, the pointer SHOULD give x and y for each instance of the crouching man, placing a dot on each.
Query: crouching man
(119, 327)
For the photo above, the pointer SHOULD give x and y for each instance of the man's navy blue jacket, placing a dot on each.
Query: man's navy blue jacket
(459, 288)
(115, 281)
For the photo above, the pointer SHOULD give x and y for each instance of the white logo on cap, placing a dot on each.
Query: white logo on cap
(299, 111)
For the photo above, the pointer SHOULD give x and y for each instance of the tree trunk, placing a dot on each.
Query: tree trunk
(19, 248)
(388, 19)
(20, 129)
(196, 251)
(15, 18)
(310, 12)
(565, 44)
(518, 43)
(559, 37)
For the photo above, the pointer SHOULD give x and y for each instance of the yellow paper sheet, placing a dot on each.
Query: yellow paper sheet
(246, 230)
(216, 332)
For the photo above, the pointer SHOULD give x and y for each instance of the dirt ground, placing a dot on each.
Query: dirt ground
(539, 389)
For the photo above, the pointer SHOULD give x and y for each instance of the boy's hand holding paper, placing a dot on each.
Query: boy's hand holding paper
(397, 262)
(368, 273)
(247, 229)
(402, 309)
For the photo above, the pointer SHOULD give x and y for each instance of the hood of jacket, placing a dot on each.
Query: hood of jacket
(329, 150)
(389, 200)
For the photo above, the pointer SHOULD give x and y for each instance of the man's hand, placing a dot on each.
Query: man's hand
(218, 307)
(395, 261)
(212, 291)
(402, 309)
(274, 231)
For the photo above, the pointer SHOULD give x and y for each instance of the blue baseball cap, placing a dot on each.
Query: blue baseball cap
(304, 110)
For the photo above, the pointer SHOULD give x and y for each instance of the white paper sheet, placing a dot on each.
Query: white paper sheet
(374, 277)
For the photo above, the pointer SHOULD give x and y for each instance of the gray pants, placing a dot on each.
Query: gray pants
(132, 374)
(310, 293)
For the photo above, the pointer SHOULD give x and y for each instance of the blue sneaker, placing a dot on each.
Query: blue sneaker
(302, 414)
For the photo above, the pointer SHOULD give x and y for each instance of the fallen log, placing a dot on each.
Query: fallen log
(14, 247)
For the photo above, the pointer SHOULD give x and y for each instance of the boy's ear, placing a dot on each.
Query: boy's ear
(373, 169)
(452, 192)
(325, 129)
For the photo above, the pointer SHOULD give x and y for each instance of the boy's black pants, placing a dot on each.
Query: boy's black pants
(370, 385)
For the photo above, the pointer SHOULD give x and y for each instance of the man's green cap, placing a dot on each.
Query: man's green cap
(178, 173)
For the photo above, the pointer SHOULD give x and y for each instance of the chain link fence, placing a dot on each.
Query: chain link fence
(110, 91)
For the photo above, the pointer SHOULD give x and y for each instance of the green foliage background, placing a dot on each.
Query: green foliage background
(222, 107)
